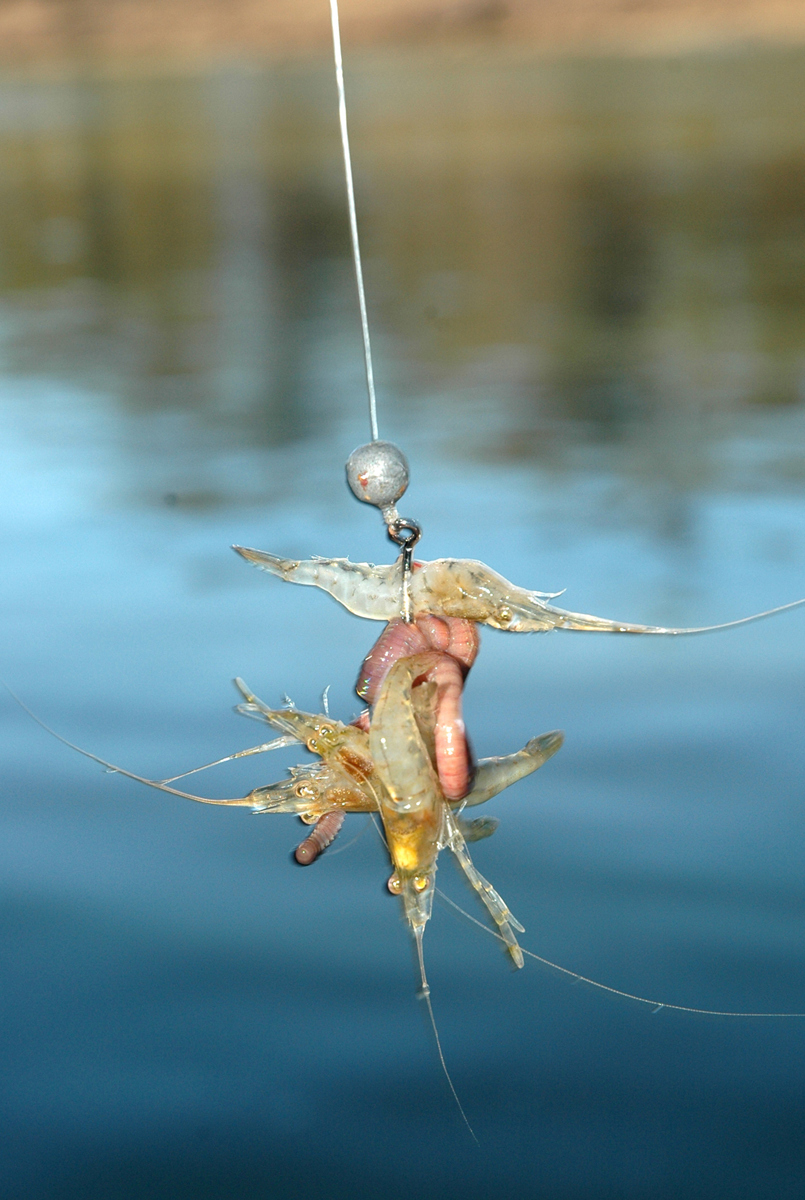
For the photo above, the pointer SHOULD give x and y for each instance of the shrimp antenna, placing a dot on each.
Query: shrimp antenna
(656, 1005)
(153, 783)
(424, 994)
(278, 744)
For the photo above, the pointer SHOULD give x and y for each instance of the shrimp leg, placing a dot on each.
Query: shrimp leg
(496, 906)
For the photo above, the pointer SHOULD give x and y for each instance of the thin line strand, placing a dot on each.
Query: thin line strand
(425, 995)
(353, 218)
(278, 744)
(657, 1005)
(242, 801)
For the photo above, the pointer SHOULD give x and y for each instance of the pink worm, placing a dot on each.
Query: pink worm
(450, 635)
(323, 833)
(455, 643)
(453, 758)
(453, 761)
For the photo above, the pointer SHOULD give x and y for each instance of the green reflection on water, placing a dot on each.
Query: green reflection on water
(599, 243)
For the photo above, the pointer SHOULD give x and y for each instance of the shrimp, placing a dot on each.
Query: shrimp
(339, 781)
(345, 779)
(454, 587)
(417, 818)
(458, 643)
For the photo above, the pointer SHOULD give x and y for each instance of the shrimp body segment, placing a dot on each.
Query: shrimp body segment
(417, 819)
(453, 587)
(412, 804)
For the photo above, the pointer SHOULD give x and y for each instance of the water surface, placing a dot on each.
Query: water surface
(586, 288)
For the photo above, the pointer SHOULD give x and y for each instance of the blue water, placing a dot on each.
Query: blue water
(184, 1012)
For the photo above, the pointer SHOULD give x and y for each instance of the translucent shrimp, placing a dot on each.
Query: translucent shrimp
(339, 781)
(347, 778)
(417, 818)
(344, 780)
(454, 587)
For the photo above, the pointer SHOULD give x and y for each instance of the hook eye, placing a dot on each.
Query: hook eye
(405, 533)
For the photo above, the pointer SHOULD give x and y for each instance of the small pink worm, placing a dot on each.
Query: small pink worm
(455, 643)
(452, 635)
(449, 635)
(453, 758)
(362, 721)
(323, 833)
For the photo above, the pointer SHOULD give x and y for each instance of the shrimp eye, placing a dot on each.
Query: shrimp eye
(394, 885)
(325, 736)
(505, 614)
(306, 791)
(421, 882)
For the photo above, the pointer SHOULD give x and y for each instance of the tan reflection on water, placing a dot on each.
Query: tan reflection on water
(610, 238)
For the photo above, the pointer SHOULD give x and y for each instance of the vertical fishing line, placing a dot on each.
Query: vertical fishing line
(353, 219)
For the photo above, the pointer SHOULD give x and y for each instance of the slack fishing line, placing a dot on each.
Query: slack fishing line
(378, 471)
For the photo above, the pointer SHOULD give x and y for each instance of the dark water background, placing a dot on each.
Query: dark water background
(587, 288)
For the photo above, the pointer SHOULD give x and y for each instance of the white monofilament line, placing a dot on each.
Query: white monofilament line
(353, 219)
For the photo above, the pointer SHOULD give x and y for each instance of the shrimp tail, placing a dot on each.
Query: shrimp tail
(363, 588)
(478, 828)
(492, 775)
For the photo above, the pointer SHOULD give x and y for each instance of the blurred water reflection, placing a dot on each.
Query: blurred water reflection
(586, 285)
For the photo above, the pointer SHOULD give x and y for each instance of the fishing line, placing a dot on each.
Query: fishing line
(377, 472)
(353, 218)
